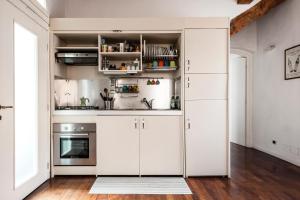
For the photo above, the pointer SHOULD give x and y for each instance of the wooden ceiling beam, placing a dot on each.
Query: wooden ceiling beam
(244, 1)
(252, 14)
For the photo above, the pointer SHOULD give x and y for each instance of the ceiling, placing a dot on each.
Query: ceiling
(146, 8)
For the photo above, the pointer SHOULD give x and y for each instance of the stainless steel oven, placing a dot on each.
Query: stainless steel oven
(74, 144)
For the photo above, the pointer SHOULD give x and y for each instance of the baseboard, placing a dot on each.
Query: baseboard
(297, 163)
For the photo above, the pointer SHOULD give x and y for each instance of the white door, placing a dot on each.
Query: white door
(206, 50)
(161, 145)
(205, 86)
(206, 143)
(237, 100)
(24, 144)
(118, 145)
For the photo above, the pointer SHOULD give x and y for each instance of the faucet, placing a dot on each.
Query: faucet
(148, 103)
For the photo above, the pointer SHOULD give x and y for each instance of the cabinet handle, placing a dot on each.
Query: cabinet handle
(143, 123)
(135, 123)
(188, 64)
(188, 124)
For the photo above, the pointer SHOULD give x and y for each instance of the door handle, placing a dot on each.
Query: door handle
(5, 107)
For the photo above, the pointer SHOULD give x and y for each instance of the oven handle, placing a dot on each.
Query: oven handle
(86, 135)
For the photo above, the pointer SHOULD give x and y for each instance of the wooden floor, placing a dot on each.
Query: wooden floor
(255, 176)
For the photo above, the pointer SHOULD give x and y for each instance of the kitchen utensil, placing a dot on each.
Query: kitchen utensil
(109, 104)
(106, 93)
(103, 98)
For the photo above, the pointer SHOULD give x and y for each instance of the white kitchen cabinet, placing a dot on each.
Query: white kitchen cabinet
(205, 86)
(161, 146)
(117, 145)
(206, 50)
(206, 138)
(145, 145)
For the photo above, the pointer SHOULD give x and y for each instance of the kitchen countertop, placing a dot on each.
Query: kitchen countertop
(116, 112)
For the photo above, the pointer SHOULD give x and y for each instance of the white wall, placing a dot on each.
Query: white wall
(154, 8)
(277, 101)
(276, 107)
(246, 39)
(56, 8)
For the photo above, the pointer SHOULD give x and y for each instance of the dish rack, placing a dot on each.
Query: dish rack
(160, 57)
(159, 51)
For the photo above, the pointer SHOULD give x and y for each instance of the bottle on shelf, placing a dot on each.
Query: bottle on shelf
(177, 103)
(136, 64)
(173, 103)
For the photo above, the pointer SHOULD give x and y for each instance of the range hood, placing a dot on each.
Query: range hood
(78, 58)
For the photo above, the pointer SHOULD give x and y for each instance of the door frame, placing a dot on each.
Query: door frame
(16, 11)
(249, 93)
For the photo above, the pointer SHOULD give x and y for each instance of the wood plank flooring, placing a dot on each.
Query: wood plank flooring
(255, 176)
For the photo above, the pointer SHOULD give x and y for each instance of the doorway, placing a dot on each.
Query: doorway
(240, 101)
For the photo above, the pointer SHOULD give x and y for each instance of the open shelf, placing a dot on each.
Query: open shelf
(120, 72)
(162, 69)
(76, 48)
(120, 55)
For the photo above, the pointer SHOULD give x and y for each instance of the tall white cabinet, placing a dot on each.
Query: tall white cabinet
(206, 77)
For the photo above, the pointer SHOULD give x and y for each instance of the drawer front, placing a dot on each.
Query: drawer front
(205, 86)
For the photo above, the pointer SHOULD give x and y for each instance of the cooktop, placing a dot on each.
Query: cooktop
(76, 108)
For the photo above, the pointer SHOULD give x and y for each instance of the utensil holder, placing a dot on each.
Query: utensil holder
(109, 105)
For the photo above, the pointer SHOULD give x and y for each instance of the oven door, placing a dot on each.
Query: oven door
(74, 149)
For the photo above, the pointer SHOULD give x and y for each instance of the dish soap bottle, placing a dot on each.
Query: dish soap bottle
(177, 103)
(173, 103)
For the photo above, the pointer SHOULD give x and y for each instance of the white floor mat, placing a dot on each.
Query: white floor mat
(143, 185)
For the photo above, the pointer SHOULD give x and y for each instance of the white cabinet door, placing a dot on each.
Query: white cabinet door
(117, 145)
(205, 86)
(206, 138)
(206, 50)
(161, 148)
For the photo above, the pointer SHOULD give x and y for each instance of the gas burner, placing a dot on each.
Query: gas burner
(76, 108)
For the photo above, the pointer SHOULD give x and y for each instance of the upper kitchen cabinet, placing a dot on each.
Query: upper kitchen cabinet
(206, 50)
(120, 53)
(72, 49)
(161, 52)
(130, 53)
